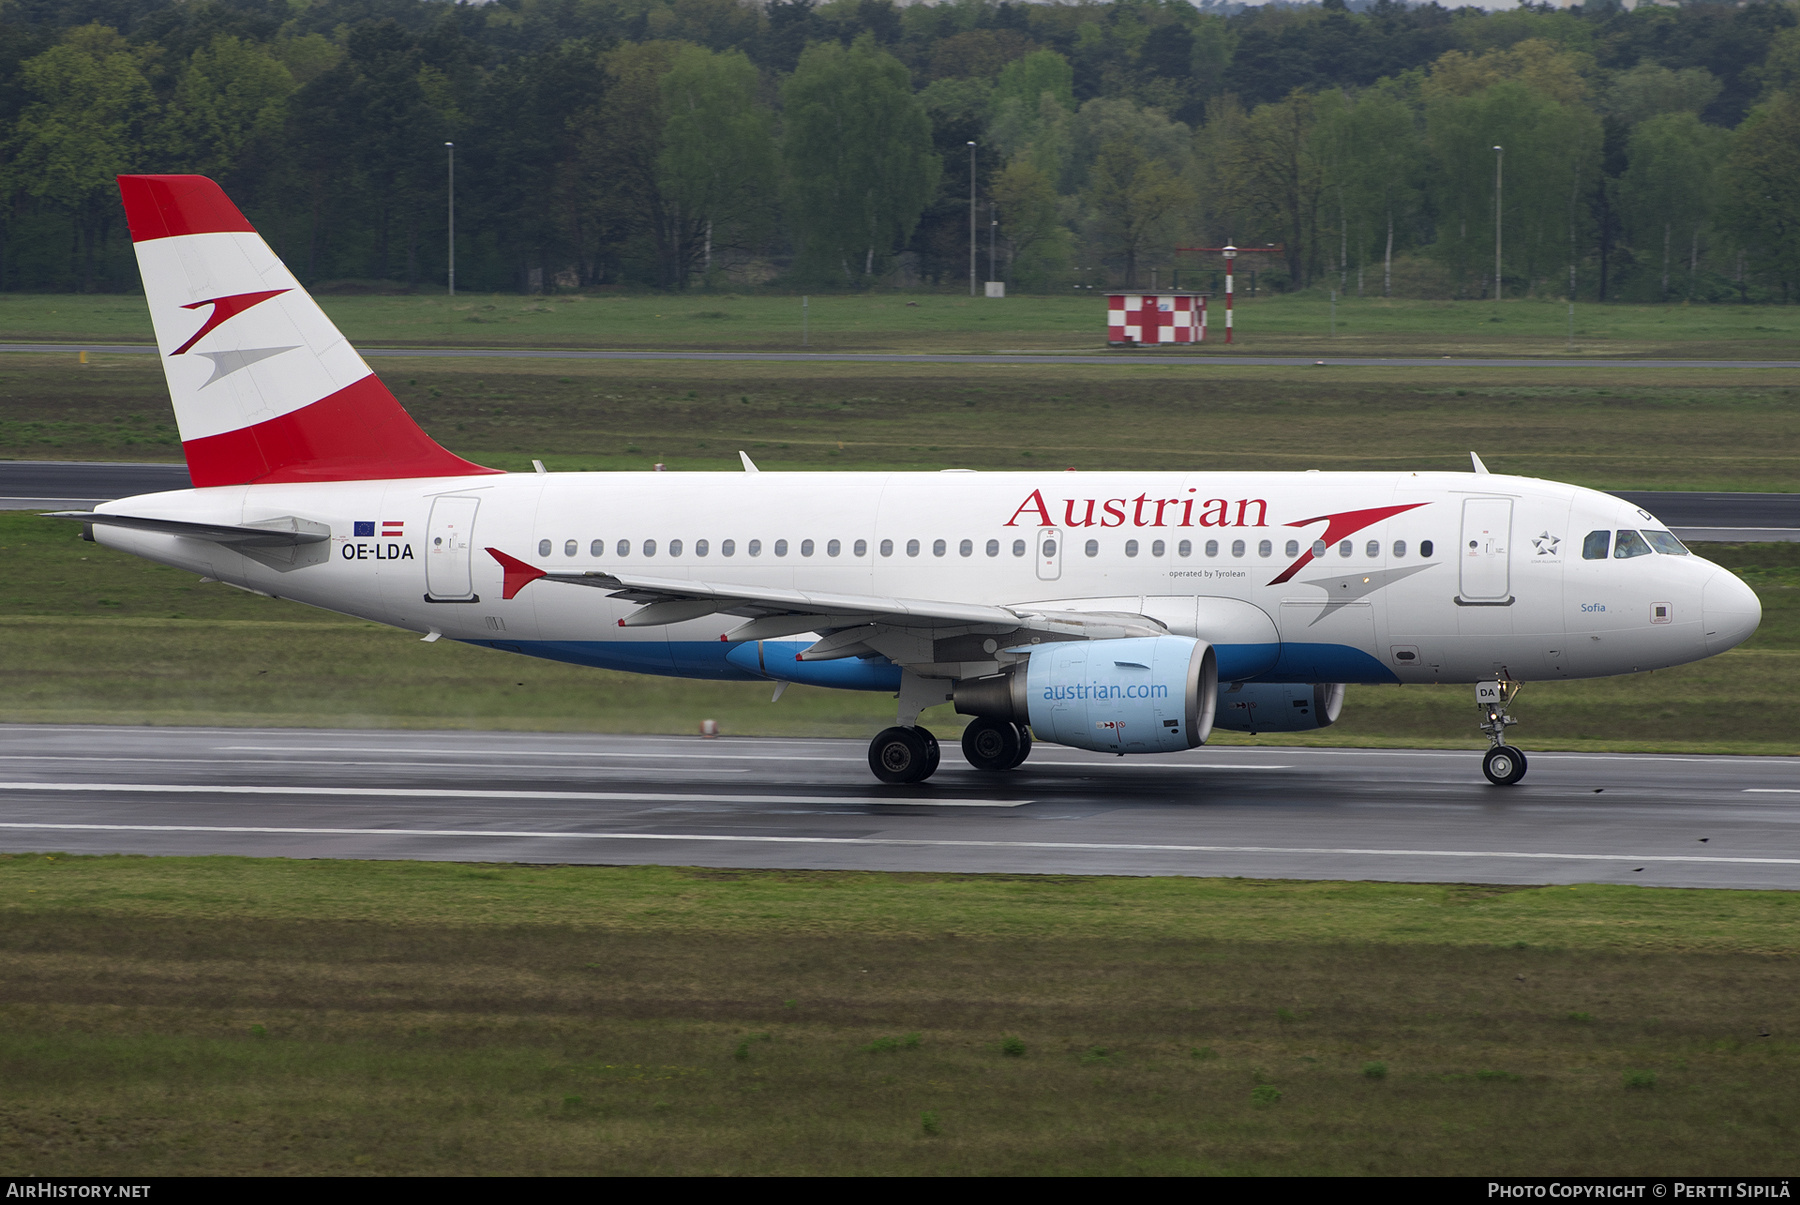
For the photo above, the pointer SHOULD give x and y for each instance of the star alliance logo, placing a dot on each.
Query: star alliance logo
(1546, 544)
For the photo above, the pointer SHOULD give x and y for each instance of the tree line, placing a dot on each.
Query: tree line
(1645, 154)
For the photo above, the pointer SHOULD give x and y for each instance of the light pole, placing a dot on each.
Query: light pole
(993, 235)
(971, 219)
(450, 151)
(1499, 158)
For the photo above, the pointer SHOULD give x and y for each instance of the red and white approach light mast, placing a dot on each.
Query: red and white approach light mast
(1230, 254)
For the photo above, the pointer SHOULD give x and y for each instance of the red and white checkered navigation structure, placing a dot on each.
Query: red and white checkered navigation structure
(1153, 318)
(264, 386)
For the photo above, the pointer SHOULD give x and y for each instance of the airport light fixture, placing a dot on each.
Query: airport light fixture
(1499, 158)
(971, 219)
(450, 150)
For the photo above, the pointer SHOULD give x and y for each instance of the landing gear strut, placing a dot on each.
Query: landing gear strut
(995, 745)
(1503, 764)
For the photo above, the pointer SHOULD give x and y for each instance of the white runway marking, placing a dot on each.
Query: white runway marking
(130, 788)
(686, 754)
(1084, 846)
(252, 761)
(1772, 790)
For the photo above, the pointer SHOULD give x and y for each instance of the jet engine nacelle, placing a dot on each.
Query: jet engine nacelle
(1277, 707)
(1141, 694)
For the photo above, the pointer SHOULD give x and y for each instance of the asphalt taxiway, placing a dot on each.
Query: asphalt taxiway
(1407, 815)
(1130, 356)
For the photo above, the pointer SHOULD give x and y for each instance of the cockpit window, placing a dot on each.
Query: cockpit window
(1596, 546)
(1665, 542)
(1629, 544)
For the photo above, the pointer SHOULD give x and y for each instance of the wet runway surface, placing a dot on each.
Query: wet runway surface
(1398, 815)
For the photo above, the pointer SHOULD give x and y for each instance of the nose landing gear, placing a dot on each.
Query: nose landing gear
(1503, 764)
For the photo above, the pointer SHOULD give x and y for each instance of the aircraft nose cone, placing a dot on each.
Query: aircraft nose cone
(1729, 612)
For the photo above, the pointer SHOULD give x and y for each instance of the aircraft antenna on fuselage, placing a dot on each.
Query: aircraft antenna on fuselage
(749, 466)
(1480, 469)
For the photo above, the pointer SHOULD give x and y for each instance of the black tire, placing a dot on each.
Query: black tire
(901, 755)
(1503, 765)
(991, 745)
(1024, 746)
(933, 752)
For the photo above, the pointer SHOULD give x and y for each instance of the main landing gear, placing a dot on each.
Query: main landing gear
(902, 755)
(1503, 764)
(995, 744)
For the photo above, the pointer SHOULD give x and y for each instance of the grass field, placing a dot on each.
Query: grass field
(226, 1016)
(93, 636)
(1299, 323)
(1618, 429)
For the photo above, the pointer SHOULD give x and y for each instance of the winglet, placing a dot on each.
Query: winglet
(1480, 469)
(518, 573)
(749, 467)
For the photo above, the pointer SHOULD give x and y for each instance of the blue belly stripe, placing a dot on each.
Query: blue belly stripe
(739, 662)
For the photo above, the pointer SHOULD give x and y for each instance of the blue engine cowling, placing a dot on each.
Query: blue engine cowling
(1278, 707)
(1143, 694)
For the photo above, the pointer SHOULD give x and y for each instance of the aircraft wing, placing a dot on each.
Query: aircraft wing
(924, 634)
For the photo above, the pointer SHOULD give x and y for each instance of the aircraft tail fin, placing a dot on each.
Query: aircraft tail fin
(265, 387)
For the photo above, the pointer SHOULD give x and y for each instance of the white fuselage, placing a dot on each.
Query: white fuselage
(1479, 575)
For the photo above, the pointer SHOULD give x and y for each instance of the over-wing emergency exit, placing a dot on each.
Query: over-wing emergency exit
(1127, 612)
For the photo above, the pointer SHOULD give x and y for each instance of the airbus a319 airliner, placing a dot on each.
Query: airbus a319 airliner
(1126, 612)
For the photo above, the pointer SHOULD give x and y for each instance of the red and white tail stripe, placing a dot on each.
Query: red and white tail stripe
(264, 386)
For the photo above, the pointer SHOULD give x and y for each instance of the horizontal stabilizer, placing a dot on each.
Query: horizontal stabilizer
(286, 532)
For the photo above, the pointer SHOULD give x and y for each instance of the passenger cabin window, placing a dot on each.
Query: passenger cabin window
(674, 547)
(1093, 548)
(780, 547)
(1018, 547)
(1665, 542)
(1185, 548)
(832, 548)
(1157, 547)
(1130, 547)
(860, 548)
(727, 547)
(1425, 548)
(1266, 548)
(649, 547)
(806, 547)
(887, 548)
(1597, 545)
(1399, 548)
(993, 548)
(754, 548)
(912, 548)
(1293, 548)
(1374, 549)
(624, 548)
(597, 548)
(543, 547)
(1237, 548)
(570, 548)
(966, 548)
(701, 547)
(1345, 548)
(938, 548)
(1628, 544)
(1212, 548)
(1318, 549)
